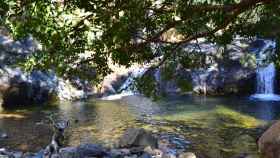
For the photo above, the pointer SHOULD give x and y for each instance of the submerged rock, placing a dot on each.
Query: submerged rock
(69, 152)
(137, 137)
(91, 150)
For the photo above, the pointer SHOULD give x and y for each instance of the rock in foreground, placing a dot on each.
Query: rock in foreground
(137, 137)
(135, 143)
(269, 142)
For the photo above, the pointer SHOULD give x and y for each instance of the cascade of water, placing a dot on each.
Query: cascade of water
(127, 88)
(265, 76)
(265, 79)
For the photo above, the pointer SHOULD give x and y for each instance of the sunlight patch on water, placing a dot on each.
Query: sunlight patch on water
(105, 124)
(225, 131)
(220, 114)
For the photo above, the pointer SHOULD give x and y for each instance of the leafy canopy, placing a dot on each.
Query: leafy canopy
(82, 36)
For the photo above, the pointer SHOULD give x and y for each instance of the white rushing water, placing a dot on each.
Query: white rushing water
(127, 88)
(265, 84)
(265, 77)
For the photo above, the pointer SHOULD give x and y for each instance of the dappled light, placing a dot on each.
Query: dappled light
(139, 78)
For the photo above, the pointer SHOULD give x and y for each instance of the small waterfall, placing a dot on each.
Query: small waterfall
(265, 76)
(265, 79)
(127, 88)
(265, 84)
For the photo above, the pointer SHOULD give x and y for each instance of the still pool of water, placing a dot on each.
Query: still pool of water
(216, 127)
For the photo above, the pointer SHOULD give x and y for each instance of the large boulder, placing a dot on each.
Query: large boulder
(18, 87)
(83, 151)
(269, 142)
(112, 83)
(91, 150)
(231, 80)
(137, 137)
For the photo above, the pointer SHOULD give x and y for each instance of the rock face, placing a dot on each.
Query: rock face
(230, 74)
(269, 142)
(112, 83)
(19, 88)
(234, 80)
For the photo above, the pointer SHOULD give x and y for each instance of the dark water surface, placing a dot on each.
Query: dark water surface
(216, 127)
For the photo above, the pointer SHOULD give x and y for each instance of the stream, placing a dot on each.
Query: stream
(215, 126)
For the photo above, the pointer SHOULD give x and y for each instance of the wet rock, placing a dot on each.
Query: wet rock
(172, 143)
(187, 155)
(69, 152)
(137, 150)
(168, 155)
(131, 156)
(3, 136)
(91, 150)
(125, 151)
(31, 155)
(119, 153)
(269, 142)
(137, 137)
(145, 155)
(114, 153)
(153, 152)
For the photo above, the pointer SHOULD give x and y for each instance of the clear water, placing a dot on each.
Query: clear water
(217, 127)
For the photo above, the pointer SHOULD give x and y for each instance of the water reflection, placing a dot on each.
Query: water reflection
(216, 126)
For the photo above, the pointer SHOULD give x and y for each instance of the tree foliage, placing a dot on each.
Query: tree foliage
(83, 36)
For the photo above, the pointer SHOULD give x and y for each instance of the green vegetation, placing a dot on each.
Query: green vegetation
(81, 37)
